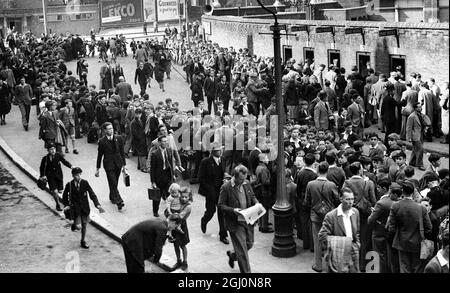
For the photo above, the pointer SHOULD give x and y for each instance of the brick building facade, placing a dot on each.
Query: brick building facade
(423, 47)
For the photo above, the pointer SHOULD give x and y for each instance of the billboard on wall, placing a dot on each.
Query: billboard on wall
(149, 10)
(120, 12)
(167, 10)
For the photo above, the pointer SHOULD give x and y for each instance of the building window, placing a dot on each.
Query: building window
(59, 17)
(41, 18)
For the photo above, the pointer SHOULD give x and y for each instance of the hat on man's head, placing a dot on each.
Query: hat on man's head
(76, 170)
(50, 145)
(395, 186)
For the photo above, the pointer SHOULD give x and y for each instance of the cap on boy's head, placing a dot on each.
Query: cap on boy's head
(76, 170)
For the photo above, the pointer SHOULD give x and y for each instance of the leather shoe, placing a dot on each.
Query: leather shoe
(120, 206)
(156, 215)
(224, 240)
(203, 227)
(316, 269)
(75, 152)
(74, 228)
(230, 259)
(84, 245)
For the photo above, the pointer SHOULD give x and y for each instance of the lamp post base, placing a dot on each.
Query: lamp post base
(283, 242)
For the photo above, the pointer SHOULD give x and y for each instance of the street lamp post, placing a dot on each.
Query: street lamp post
(283, 242)
(44, 12)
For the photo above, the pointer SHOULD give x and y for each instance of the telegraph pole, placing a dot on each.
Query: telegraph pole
(186, 15)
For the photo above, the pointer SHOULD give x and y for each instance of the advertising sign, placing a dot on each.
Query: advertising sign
(167, 10)
(121, 12)
(149, 10)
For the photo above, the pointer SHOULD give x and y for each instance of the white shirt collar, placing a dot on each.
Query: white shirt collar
(322, 178)
(356, 177)
(340, 212)
(442, 261)
(110, 137)
(217, 160)
(386, 195)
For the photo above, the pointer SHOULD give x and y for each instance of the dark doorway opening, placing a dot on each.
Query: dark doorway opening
(397, 61)
(308, 55)
(334, 57)
(250, 44)
(363, 60)
(287, 53)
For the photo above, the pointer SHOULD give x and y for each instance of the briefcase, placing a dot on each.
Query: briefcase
(126, 180)
(154, 194)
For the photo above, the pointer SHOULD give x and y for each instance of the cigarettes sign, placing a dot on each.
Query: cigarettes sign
(167, 10)
(120, 12)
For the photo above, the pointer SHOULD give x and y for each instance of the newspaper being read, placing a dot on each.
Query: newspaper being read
(253, 213)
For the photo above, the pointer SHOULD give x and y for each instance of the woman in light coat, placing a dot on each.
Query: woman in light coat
(444, 103)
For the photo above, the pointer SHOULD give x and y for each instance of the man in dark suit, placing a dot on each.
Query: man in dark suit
(210, 88)
(235, 195)
(376, 224)
(303, 214)
(343, 221)
(319, 190)
(211, 175)
(146, 239)
(111, 150)
(161, 170)
(408, 221)
(75, 198)
(389, 112)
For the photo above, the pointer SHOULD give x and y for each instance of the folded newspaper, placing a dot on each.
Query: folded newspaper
(253, 213)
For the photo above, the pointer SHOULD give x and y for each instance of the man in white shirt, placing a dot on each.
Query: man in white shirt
(343, 221)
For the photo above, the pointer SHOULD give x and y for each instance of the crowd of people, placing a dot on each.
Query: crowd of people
(348, 197)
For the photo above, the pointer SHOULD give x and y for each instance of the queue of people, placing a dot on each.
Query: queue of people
(348, 197)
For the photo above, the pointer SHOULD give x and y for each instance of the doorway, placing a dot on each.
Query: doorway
(287, 53)
(308, 55)
(397, 61)
(363, 59)
(334, 57)
(250, 44)
(15, 25)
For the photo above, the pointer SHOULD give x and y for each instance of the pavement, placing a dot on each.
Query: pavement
(206, 252)
(37, 240)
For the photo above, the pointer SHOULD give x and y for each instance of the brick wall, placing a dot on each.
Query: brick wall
(425, 45)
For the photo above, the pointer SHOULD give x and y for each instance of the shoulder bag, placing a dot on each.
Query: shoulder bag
(426, 246)
(324, 206)
(42, 182)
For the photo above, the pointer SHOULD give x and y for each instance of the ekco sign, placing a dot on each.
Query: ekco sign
(119, 12)
(167, 9)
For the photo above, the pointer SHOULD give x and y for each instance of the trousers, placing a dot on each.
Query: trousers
(133, 266)
(409, 262)
(211, 206)
(25, 112)
(317, 247)
(113, 181)
(242, 238)
(416, 154)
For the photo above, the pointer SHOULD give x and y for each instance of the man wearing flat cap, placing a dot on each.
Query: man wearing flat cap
(75, 198)
(406, 220)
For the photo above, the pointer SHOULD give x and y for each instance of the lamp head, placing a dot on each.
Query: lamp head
(277, 4)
